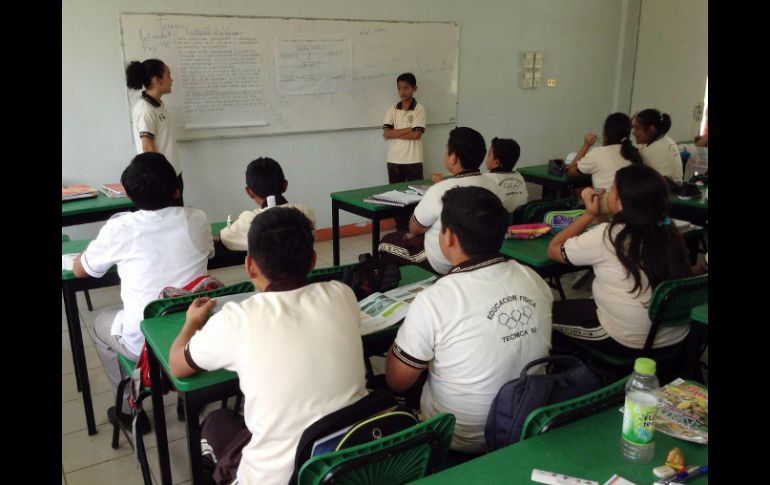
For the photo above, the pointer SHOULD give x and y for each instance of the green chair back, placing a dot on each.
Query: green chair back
(64, 238)
(332, 273)
(558, 414)
(535, 211)
(398, 458)
(163, 306)
(672, 303)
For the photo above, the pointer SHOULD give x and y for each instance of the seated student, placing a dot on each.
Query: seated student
(464, 153)
(296, 348)
(657, 150)
(157, 246)
(264, 177)
(630, 256)
(602, 162)
(476, 327)
(508, 185)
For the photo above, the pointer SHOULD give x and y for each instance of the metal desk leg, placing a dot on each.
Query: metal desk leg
(335, 233)
(67, 309)
(192, 410)
(375, 236)
(159, 417)
(76, 341)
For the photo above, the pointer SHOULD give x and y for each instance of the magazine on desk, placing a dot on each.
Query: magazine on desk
(113, 191)
(77, 191)
(382, 310)
(683, 411)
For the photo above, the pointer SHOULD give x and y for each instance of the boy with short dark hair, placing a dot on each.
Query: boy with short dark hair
(476, 327)
(157, 246)
(264, 177)
(295, 346)
(508, 185)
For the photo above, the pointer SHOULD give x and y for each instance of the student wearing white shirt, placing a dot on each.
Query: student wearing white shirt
(507, 184)
(658, 151)
(602, 162)
(476, 327)
(630, 256)
(157, 246)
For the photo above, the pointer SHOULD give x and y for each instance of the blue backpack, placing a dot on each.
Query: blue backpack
(519, 397)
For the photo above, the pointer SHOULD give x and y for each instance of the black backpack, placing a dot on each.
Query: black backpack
(519, 397)
(370, 275)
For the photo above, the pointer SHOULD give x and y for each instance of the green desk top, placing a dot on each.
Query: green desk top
(160, 333)
(72, 247)
(701, 313)
(532, 252)
(700, 203)
(216, 228)
(95, 204)
(356, 196)
(588, 449)
(541, 171)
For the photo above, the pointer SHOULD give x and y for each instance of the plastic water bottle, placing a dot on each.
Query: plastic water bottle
(637, 444)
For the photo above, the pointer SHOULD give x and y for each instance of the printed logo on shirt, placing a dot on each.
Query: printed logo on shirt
(409, 119)
(511, 186)
(513, 312)
(162, 117)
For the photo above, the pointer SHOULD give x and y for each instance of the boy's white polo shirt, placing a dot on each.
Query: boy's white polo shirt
(153, 250)
(235, 237)
(663, 155)
(150, 116)
(602, 163)
(474, 331)
(509, 187)
(298, 355)
(405, 151)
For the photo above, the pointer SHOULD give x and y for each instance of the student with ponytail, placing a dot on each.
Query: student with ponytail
(658, 151)
(602, 162)
(153, 131)
(631, 255)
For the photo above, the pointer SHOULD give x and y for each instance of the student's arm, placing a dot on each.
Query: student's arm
(398, 375)
(197, 314)
(591, 199)
(415, 227)
(412, 135)
(77, 268)
(390, 133)
(148, 144)
(588, 141)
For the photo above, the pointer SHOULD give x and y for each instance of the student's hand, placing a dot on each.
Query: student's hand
(436, 178)
(589, 139)
(592, 200)
(198, 311)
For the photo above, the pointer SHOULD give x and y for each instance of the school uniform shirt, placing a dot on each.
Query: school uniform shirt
(298, 358)
(405, 151)
(602, 163)
(509, 187)
(622, 314)
(235, 237)
(150, 118)
(663, 156)
(153, 250)
(474, 330)
(428, 213)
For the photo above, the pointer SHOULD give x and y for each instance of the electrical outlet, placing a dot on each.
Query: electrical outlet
(697, 112)
(526, 82)
(551, 83)
(536, 82)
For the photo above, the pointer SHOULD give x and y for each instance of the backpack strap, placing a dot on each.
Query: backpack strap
(569, 360)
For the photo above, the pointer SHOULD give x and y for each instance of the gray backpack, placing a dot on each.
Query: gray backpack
(519, 397)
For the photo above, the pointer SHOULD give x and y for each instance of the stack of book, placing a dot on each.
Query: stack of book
(78, 191)
(394, 197)
(113, 190)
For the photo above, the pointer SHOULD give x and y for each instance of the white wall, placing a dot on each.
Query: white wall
(588, 49)
(672, 62)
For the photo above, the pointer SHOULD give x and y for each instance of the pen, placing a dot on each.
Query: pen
(690, 473)
(696, 473)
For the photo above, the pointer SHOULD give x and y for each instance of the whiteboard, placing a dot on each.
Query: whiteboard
(246, 76)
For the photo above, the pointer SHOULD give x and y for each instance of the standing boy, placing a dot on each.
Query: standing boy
(157, 246)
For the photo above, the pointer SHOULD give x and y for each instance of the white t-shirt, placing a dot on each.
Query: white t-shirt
(235, 237)
(153, 250)
(405, 151)
(475, 330)
(428, 213)
(152, 118)
(622, 314)
(299, 357)
(509, 187)
(602, 163)
(663, 156)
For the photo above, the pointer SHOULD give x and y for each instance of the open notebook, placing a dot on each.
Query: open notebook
(394, 197)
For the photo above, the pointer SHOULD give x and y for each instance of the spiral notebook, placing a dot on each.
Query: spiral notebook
(394, 197)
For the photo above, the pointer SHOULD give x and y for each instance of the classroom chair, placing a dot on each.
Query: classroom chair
(158, 308)
(558, 414)
(397, 458)
(670, 306)
(64, 238)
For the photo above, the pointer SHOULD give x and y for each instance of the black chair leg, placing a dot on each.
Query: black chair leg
(556, 285)
(118, 409)
(141, 453)
(88, 301)
(238, 402)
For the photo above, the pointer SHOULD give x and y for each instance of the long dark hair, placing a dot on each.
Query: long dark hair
(617, 130)
(653, 117)
(648, 241)
(140, 74)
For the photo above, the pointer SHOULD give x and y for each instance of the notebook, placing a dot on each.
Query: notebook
(394, 197)
(77, 191)
(113, 190)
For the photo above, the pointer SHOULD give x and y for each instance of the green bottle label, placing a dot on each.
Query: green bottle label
(639, 423)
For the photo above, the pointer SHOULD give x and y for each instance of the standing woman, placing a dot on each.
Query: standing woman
(152, 128)
(658, 151)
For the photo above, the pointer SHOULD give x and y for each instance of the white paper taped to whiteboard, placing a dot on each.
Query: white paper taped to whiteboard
(239, 124)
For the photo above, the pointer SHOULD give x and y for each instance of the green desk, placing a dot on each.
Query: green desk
(692, 210)
(538, 174)
(99, 208)
(588, 449)
(202, 388)
(700, 314)
(353, 201)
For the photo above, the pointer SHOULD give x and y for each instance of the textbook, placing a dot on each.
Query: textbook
(77, 191)
(113, 190)
(394, 197)
(382, 310)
